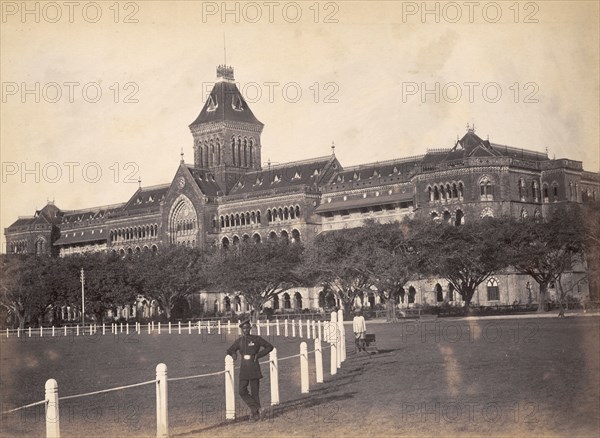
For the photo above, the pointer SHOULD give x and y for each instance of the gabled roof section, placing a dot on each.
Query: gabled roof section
(313, 172)
(101, 212)
(225, 102)
(397, 168)
(205, 181)
(147, 197)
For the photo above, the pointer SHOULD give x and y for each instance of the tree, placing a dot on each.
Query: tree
(258, 271)
(545, 249)
(390, 263)
(338, 261)
(465, 255)
(25, 291)
(170, 275)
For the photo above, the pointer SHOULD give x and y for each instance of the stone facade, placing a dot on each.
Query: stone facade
(227, 196)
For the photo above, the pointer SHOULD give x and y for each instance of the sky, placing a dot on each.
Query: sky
(98, 94)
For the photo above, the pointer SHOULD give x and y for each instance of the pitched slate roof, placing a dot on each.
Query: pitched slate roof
(398, 169)
(205, 181)
(225, 103)
(95, 234)
(369, 201)
(298, 174)
(146, 197)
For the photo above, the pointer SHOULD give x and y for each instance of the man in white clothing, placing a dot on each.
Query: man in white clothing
(359, 327)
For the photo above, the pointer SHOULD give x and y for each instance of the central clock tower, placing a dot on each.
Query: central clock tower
(226, 133)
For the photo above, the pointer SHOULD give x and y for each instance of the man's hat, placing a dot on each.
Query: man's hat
(244, 322)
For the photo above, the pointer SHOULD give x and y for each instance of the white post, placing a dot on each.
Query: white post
(189, 327)
(77, 330)
(139, 327)
(307, 329)
(162, 418)
(274, 373)
(277, 327)
(333, 359)
(159, 327)
(121, 328)
(208, 327)
(300, 334)
(303, 368)
(219, 326)
(52, 417)
(228, 327)
(293, 328)
(148, 328)
(103, 329)
(268, 330)
(318, 360)
(285, 328)
(41, 331)
(52, 332)
(30, 331)
(178, 327)
(342, 335)
(239, 329)
(229, 391)
(152, 326)
(314, 328)
(258, 327)
(127, 328)
(199, 327)
(169, 327)
(335, 350)
(19, 331)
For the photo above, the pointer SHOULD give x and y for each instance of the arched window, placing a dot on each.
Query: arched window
(233, 150)
(460, 190)
(285, 236)
(286, 301)
(225, 242)
(272, 235)
(493, 292)
(275, 302)
(236, 240)
(412, 293)
(459, 219)
(430, 193)
(436, 193)
(521, 189)
(269, 216)
(545, 192)
(535, 188)
(486, 189)
(256, 238)
(297, 211)
(523, 214)
(286, 213)
(450, 292)
(245, 152)
(258, 217)
(448, 191)
(554, 192)
(251, 153)
(454, 191)
(297, 300)
(239, 151)
(245, 238)
(447, 217)
(222, 222)
(439, 294)
(434, 215)
(295, 236)
(238, 303)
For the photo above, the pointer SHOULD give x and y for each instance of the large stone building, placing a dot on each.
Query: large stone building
(227, 196)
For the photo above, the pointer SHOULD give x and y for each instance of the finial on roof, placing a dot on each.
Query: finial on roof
(547, 151)
(225, 73)
(332, 148)
(139, 182)
(181, 155)
(470, 128)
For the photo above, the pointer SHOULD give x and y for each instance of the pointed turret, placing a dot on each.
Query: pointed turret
(226, 133)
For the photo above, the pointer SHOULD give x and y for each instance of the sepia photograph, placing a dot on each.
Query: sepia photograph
(299, 218)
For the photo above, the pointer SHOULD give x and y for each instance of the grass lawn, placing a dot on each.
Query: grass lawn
(535, 377)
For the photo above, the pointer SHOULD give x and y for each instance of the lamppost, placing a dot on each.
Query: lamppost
(82, 277)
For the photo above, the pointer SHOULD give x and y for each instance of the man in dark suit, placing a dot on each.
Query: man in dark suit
(251, 348)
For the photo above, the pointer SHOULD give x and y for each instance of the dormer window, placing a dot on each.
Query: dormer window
(258, 182)
(395, 169)
(356, 176)
(297, 175)
(375, 174)
(236, 103)
(212, 105)
(276, 179)
(151, 198)
(316, 172)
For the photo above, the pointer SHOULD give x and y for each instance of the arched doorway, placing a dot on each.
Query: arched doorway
(439, 295)
(298, 301)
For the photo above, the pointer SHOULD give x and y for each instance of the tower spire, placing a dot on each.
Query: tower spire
(181, 155)
(333, 148)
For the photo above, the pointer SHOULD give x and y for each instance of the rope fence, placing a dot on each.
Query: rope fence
(336, 342)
